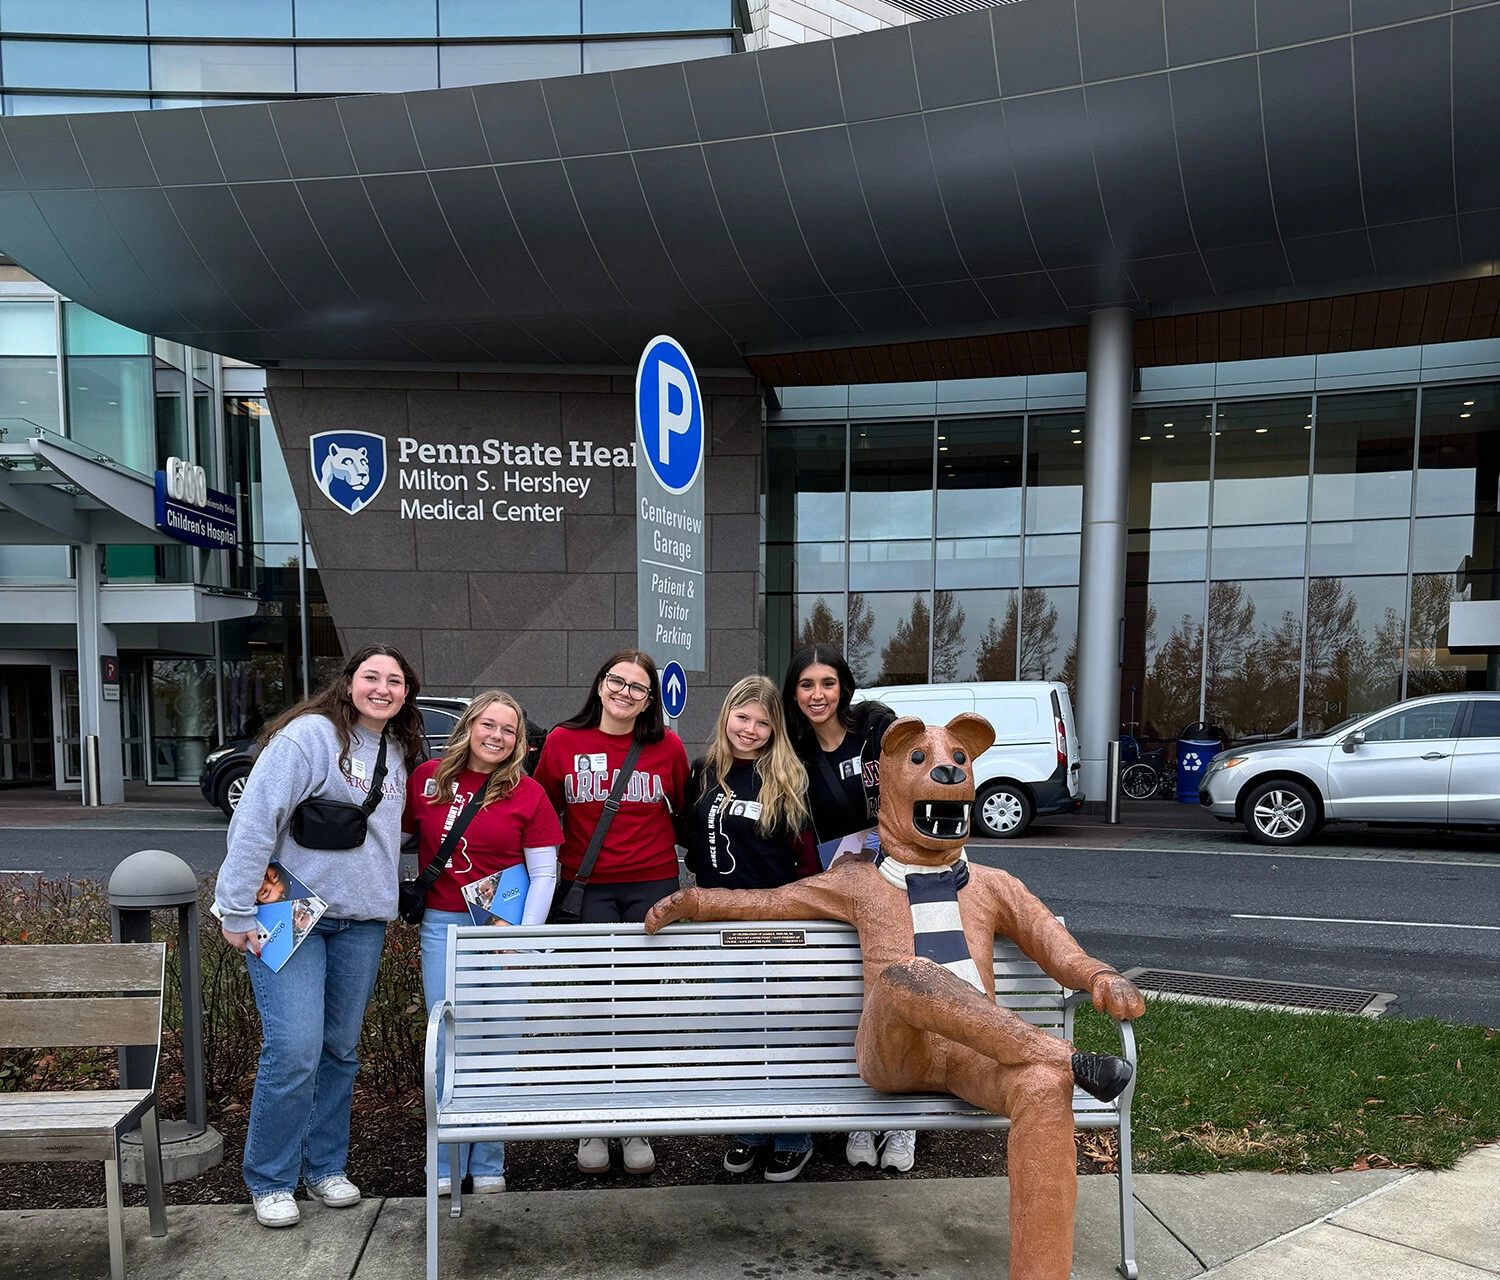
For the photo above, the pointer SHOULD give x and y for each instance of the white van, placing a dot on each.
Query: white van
(1034, 765)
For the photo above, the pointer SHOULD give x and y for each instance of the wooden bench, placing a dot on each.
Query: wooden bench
(85, 1124)
(702, 1029)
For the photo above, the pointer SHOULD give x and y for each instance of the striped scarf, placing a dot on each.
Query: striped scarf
(937, 928)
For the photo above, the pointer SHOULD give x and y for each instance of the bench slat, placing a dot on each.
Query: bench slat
(38, 969)
(49, 1024)
(56, 1147)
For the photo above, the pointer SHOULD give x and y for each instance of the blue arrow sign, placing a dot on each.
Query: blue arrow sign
(673, 689)
(670, 410)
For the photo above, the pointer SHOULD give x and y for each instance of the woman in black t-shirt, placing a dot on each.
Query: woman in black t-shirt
(748, 829)
(839, 745)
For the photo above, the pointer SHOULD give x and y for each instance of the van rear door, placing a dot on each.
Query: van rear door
(1062, 711)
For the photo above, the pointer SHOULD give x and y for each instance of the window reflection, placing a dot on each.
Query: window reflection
(509, 18)
(1261, 451)
(1165, 555)
(1169, 456)
(1255, 550)
(978, 562)
(1171, 660)
(977, 635)
(617, 55)
(1048, 627)
(1459, 459)
(110, 408)
(76, 17)
(1367, 546)
(890, 480)
(1054, 473)
(886, 636)
(819, 619)
(1254, 655)
(601, 16)
(880, 566)
(221, 18)
(819, 567)
(368, 19)
(1052, 561)
(979, 477)
(1430, 667)
(392, 68)
(805, 484)
(1362, 459)
(74, 64)
(1356, 630)
(1456, 544)
(223, 68)
(460, 64)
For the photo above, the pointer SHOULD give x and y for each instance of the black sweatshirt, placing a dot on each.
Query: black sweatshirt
(725, 848)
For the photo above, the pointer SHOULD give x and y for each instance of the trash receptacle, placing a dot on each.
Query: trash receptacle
(1197, 744)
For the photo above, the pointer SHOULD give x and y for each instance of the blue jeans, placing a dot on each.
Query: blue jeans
(482, 1159)
(798, 1142)
(310, 1016)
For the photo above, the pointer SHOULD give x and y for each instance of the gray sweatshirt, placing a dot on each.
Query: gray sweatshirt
(300, 763)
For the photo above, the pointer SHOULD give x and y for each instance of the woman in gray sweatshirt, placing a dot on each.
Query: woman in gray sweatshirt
(326, 748)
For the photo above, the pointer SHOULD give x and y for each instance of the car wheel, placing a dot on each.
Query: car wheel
(1003, 810)
(1139, 781)
(1281, 812)
(230, 791)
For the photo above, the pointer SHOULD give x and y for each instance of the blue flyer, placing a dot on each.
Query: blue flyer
(287, 912)
(501, 896)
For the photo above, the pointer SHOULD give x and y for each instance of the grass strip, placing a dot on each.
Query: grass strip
(1224, 1088)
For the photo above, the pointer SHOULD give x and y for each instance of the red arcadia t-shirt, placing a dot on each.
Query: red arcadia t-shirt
(578, 767)
(497, 838)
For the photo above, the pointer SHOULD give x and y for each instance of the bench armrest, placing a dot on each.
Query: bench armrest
(1127, 1043)
(440, 1019)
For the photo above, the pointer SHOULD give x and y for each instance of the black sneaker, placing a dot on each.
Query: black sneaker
(1102, 1076)
(741, 1157)
(783, 1166)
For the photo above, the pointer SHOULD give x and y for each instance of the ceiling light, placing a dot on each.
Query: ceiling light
(1078, 442)
(1166, 424)
(1467, 403)
(942, 448)
(1260, 431)
(1076, 430)
(1171, 437)
(1308, 427)
(942, 437)
(1463, 415)
(1145, 437)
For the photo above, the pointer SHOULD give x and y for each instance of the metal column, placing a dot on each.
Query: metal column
(1101, 594)
(95, 716)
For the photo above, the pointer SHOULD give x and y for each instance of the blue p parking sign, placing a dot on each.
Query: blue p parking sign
(670, 410)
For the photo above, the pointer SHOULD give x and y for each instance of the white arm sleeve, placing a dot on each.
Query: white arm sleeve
(541, 871)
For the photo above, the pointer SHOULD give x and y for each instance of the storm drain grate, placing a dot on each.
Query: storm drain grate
(1179, 985)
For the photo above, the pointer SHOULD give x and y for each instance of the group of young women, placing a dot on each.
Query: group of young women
(784, 771)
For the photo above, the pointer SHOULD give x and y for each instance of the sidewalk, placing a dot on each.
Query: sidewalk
(1348, 1226)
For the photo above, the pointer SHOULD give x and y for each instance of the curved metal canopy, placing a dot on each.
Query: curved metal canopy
(1002, 169)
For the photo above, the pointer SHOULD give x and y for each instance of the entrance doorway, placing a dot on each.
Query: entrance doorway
(25, 727)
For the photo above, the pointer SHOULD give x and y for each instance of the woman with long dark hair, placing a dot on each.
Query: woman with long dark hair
(330, 747)
(515, 825)
(637, 862)
(838, 742)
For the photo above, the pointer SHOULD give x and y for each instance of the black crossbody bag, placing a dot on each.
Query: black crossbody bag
(567, 905)
(413, 900)
(338, 824)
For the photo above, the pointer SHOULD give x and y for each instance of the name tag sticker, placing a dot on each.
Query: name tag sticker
(745, 809)
(429, 788)
(762, 937)
(357, 768)
(849, 768)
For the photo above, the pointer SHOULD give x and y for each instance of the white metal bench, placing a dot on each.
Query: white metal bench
(85, 1124)
(701, 1029)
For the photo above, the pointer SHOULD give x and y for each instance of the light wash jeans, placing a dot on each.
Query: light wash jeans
(310, 1015)
(798, 1142)
(481, 1159)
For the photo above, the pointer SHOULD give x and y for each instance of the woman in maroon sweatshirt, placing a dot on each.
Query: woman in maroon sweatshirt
(637, 862)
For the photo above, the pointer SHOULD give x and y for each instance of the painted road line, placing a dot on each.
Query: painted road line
(1392, 924)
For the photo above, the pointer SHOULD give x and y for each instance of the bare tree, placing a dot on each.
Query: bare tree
(859, 638)
(821, 627)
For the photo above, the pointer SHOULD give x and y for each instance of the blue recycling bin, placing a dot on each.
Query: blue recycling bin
(1196, 746)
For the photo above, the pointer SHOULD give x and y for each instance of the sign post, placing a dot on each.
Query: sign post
(669, 541)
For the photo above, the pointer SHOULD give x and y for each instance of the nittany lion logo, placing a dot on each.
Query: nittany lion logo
(349, 467)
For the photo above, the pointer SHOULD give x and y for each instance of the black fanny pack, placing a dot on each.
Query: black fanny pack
(338, 824)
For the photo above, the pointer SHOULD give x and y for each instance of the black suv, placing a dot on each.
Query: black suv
(225, 770)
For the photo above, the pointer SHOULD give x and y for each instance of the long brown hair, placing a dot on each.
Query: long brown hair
(648, 722)
(333, 702)
(506, 774)
(783, 780)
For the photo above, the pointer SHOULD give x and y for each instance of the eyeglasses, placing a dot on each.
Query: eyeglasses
(618, 684)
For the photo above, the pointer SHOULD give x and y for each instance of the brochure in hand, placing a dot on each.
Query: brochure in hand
(857, 846)
(500, 897)
(287, 912)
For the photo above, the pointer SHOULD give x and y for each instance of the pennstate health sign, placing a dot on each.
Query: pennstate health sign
(670, 433)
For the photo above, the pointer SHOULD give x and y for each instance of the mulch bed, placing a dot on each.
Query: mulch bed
(387, 1153)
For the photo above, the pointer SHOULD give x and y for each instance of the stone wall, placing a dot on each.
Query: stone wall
(531, 606)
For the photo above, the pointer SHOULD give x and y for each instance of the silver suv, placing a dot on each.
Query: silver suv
(1432, 761)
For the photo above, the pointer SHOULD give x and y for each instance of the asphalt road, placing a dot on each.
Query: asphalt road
(1163, 909)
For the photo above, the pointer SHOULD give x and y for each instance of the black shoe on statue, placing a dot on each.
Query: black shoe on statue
(1100, 1075)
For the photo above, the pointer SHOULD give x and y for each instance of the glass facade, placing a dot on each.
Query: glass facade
(1290, 562)
(167, 53)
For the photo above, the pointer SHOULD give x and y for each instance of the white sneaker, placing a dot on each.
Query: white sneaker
(277, 1209)
(593, 1155)
(445, 1186)
(860, 1149)
(336, 1192)
(639, 1158)
(489, 1185)
(899, 1150)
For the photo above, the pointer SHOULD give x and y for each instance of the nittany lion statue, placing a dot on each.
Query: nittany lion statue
(927, 921)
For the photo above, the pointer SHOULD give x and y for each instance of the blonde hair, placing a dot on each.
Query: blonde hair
(783, 780)
(456, 755)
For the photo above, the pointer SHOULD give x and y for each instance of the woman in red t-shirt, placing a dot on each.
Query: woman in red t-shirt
(637, 864)
(515, 824)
